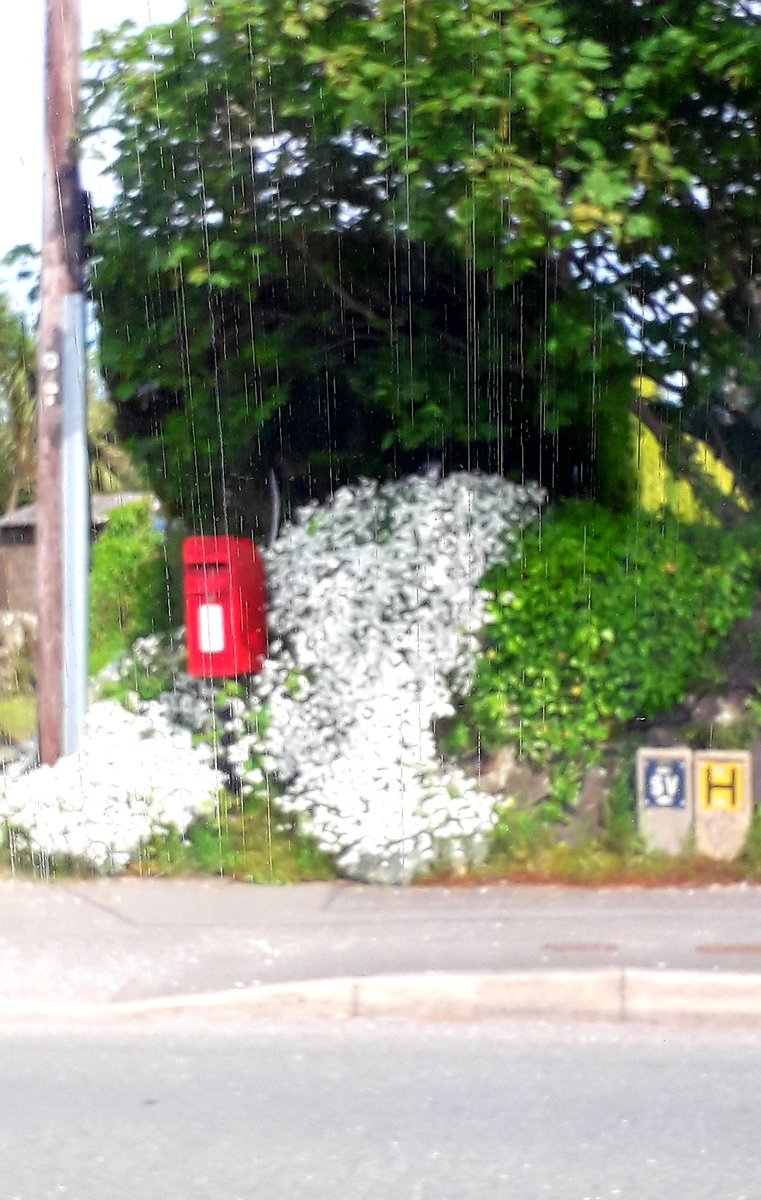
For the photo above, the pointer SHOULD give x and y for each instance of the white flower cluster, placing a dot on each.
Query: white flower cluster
(134, 773)
(374, 608)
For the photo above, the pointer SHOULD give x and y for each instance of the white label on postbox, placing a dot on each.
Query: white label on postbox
(211, 628)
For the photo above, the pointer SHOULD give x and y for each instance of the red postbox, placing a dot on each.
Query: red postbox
(225, 607)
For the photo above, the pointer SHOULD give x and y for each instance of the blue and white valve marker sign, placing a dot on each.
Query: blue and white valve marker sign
(666, 783)
(664, 797)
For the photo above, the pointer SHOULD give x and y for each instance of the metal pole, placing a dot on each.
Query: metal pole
(76, 522)
(63, 521)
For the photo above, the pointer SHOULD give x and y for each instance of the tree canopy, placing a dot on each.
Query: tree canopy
(352, 233)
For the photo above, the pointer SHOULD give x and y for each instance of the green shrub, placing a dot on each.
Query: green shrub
(603, 620)
(129, 585)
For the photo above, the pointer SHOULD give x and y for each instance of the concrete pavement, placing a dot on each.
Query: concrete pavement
(130, 946)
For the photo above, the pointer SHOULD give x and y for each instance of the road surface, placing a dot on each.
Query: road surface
(229, 1107)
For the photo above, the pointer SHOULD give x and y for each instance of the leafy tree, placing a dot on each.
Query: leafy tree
(353, 230)
(17, 409)
(335, 226)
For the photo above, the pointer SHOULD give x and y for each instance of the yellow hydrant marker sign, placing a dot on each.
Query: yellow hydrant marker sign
(721, 786)
(723, 802)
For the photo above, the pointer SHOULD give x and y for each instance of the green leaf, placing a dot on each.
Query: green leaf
(640, 225)
(595, 108)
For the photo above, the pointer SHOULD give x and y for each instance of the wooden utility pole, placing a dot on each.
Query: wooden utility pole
(61, 490)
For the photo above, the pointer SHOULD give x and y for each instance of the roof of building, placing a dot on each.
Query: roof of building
(100, 507)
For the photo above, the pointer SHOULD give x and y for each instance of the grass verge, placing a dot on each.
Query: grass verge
(527, 850)
(244, 840)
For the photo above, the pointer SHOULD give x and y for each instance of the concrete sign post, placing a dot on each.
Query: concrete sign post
(723, 802)
(664, 797)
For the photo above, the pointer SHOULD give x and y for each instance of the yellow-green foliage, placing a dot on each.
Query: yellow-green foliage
(18, 717)
(660, 491)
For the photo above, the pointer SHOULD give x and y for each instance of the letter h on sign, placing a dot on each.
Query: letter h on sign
(723, 792)
(721, 785)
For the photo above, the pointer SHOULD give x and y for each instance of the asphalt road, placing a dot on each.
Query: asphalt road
(175, 1108)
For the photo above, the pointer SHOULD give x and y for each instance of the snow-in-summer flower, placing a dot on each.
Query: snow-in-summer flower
(375, 603)
(374, 611)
